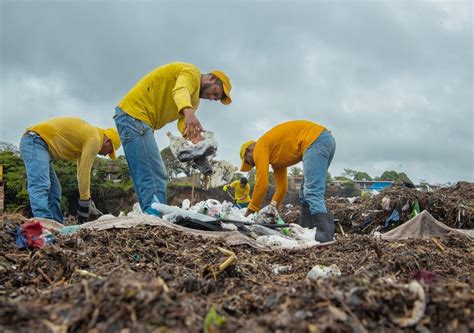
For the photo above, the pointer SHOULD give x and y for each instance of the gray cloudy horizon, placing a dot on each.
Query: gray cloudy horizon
(393, 80)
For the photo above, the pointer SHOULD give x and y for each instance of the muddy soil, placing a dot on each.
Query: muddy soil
(155, 279)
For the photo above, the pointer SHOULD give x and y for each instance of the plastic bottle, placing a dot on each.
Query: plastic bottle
(285, 230)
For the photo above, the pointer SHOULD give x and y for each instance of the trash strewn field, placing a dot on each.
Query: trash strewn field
(159, 279)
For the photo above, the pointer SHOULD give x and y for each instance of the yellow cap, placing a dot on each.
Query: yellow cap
(113, 135)
(226, 85)
(245, 166)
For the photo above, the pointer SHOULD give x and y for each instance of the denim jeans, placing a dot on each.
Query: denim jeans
(143, 157)
(44, 188)
(316, 161)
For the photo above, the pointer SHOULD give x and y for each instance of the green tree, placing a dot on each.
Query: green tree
(296, 172)
(362, 176)
(328, 177)
(15, 180)
(172, 165)
(349, 173)
(356, 175)
(389, 176)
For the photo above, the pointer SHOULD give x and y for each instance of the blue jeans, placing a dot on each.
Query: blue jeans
(242, 205)
(44, 188)
(316, 161)
(143, 157)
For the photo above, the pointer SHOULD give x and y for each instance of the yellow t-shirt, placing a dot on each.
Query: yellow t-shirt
(281, 147)
(241, 194)
(159, 96)
(73, 139)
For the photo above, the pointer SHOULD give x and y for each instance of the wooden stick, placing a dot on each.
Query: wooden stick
(192, 191)
(45, 276)
(342, 230)
(438, 244)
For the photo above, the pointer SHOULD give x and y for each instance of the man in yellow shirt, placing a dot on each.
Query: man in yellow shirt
(170, 92)
(285, 145)
(241, 192)
(70, 139)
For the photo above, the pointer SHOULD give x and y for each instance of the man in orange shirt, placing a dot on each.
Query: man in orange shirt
(283, 146)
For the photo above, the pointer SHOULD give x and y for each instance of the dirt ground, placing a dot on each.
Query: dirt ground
(148, 279)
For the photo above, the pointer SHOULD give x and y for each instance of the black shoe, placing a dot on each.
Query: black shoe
(305, 216)
(324, 223)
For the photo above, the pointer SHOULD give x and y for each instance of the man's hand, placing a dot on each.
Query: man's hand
(192, 126)
(248, 212)
(83, 211)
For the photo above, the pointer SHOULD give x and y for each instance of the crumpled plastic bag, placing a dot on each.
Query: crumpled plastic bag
(298, 232)
(268, 214)
(282, 242)
(323, 272)
(189, 151)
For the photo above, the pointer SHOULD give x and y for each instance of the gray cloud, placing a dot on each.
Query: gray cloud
(392, 80)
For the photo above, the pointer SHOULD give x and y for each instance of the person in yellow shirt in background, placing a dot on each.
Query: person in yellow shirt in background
(285, 145)
(170, 92)
(70, 139)
(241, 192)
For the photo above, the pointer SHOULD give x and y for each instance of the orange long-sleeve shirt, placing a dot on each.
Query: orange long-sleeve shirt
(281, 147)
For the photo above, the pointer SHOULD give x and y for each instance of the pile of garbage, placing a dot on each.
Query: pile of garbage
(454, 206)
(155, 278)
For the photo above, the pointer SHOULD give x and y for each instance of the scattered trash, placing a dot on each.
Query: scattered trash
(283, 242)
(415, 210)
(31, 234)
(419, 306)
(186, 204)
(394, 217)
(323, 272)
(424, 275)
(280, 269)
(386, 203)
(298, 232)
(70, 229)
(216, 270)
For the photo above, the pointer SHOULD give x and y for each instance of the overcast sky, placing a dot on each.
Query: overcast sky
(393, 80)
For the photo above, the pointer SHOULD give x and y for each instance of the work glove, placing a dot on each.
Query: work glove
(225, 188)
(83, 211)
(94, 210)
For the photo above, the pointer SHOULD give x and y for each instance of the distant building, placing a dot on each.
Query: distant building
(294, 183)
(112, 172)
(373, 185)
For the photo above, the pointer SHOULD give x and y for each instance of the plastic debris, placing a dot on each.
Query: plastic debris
(415, 210)
(268, 214)
(394, 217)
(186, 204)
(298, 232)
(32, 235)
(200, 156)
(283, 242)
(70, 229)
(323, 272)
(424, 275)
(188, 151)
(419, 306)
(280, 269)
(386, 203)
